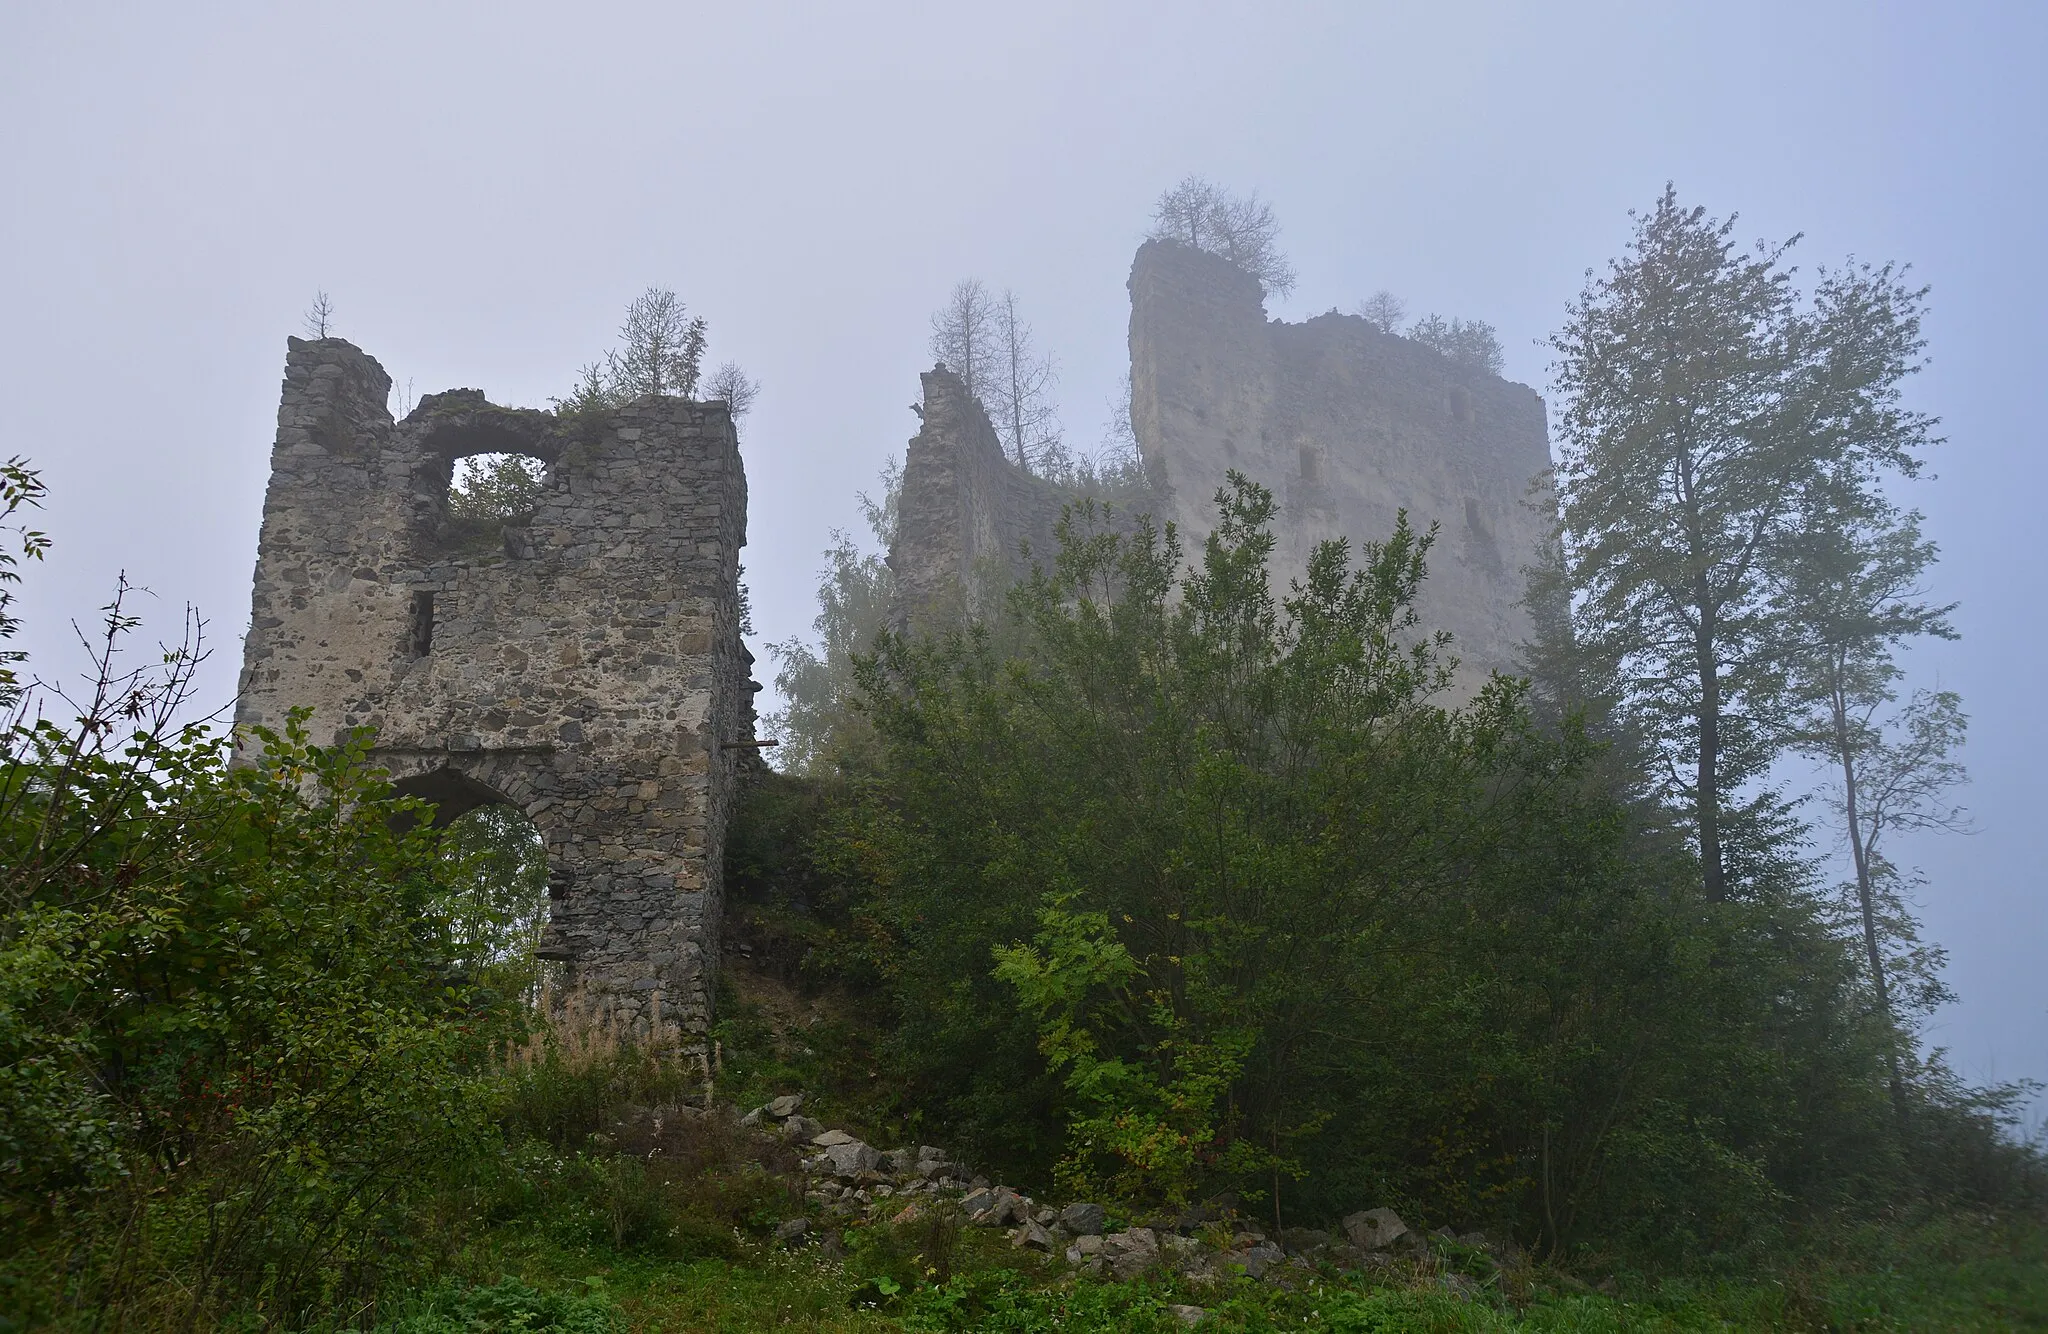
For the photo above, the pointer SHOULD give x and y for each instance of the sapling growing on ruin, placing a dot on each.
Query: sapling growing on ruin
(965, 339)
(1019, 398)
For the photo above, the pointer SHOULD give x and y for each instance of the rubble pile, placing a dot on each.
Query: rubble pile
(846, 1181)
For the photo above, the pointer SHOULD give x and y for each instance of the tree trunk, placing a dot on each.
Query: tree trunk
(1859, 853)
(1707, 786)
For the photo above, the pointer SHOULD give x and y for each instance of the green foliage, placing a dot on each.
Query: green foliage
(1470, 343)
(21, 487)
(1192, 889)
(509, 1305)
(491, 489)
(495, 876)
(240, 1059)
(817, 723)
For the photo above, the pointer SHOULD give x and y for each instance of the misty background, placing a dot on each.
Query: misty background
(482, 188)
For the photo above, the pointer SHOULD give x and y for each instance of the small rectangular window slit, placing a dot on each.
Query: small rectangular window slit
(422, 631)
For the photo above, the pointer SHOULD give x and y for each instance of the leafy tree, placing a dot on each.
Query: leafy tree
(495, 869)
(1854, 568)
(235, 1058)
(817, 724)
(1240, 228)
(1471, 343)
(1703, 407)
(661, 352)
(21, 487)
(966, 338)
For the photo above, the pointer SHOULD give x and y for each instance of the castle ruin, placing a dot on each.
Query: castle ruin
(584, 662)
(584, 666)
(1346, 423)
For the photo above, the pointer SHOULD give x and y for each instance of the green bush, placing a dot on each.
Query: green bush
(1175, 888)
(508, 1305)
(240, 1062)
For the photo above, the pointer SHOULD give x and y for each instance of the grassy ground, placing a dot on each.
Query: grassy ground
(583, 1238)
(1950, 1276)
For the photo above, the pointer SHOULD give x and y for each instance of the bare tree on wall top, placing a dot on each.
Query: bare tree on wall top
(319, 317)
(1020, 396)
(733, 387)
(964, 336)
(1383, 311)
(1240, 228)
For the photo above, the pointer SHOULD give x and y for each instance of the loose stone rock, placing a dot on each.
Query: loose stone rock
(1374, 1229)
(1082, 1218)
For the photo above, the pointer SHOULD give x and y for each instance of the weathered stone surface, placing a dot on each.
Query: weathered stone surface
(967, 510)
(1082, 1218)
(1347, 425)
(1374, 1229)
(826, 1139)
(785, 1106)
(1031, 1237)
(584, 665)
(851, 1159)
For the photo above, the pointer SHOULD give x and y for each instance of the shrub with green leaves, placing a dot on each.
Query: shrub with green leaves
(1177, 887)
(240, 1055)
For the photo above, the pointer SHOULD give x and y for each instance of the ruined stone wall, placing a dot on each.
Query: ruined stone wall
(1347, 425)
(966, 512)
(586, 666)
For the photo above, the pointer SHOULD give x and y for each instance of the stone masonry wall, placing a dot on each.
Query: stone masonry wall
(587, 668)
(966, 512)
(1347, 425)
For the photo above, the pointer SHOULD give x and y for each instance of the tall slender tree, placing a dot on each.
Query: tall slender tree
(1674, 481)
(1020, 395)
(1712, 417)
(1854, 570)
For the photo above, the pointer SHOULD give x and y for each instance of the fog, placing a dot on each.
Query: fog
(481, 188)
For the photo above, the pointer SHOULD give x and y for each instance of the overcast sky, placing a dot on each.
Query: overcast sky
(482, 187)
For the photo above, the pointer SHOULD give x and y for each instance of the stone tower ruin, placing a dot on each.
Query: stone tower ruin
(1347, 424)
(582, 663)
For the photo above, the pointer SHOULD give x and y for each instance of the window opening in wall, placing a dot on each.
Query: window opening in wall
(421, 637)
(1311, 465)
(1461, 404)
(490, 493)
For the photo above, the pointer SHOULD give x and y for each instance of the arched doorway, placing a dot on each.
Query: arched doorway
(494, 884)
